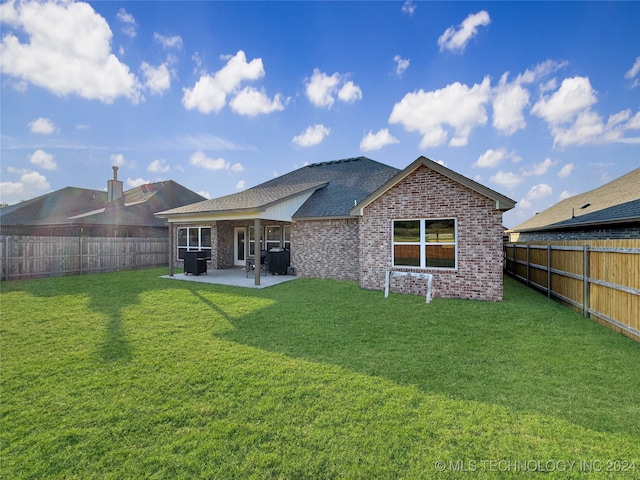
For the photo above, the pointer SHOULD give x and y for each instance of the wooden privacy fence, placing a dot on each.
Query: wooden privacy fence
(31, 256)
(599, 278)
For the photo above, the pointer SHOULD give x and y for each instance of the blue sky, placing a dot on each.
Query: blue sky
(537, 101)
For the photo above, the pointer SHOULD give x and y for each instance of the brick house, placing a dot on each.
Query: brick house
(355, 219)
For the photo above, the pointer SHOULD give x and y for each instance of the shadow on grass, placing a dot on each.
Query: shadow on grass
(527, 353)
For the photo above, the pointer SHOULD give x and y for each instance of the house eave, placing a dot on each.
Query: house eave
(570, 226)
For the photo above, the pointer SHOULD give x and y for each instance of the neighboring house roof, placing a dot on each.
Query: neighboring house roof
(320, 190)
(79, 206)
(502, 203)
(613, 203)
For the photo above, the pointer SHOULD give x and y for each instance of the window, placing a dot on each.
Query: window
(192, 239)
(425, 243)
(273, 236)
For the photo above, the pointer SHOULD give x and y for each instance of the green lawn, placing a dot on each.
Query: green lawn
(128, 375)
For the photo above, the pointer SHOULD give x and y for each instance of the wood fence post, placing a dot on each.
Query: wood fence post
(549, 270)
(585, 285)
(80, 252)
(527, 264)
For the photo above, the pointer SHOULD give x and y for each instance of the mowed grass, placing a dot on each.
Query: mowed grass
(128, 375)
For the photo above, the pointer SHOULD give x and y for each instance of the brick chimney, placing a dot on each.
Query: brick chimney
(114, 187)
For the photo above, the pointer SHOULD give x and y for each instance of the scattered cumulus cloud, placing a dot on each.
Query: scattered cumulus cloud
(209, 94)
(349, 92)
(491, 158)
(536, 193)
(252, 102)
(509, 102)
(322, 89)
(375, 141)
(456, 38)
(240, 185)
(70, 53)
(632, 73)
(313, 135)
(168, 42)
(401, 64)
(408, 7)
(566, 170)
(539, 168)
(157, 79)
(118, 160)
(136, 182)
(572, 121)
(574, 95)
(457, 106)
(509, 180)
(204, 194)
(199, 159)
(129, 27)
(159, 165)
(44, 160)
(42, 125)
(566, 194)
(31, 184)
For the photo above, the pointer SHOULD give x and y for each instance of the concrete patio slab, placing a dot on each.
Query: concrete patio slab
(235, 277)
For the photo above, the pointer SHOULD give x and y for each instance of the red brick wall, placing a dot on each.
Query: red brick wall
(325, 249)
(428, 194)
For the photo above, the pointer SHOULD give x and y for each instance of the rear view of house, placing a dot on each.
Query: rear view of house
(356, 219)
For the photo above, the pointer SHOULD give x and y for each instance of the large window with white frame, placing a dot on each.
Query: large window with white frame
(192, 239)
(273, 236)
(425, 243)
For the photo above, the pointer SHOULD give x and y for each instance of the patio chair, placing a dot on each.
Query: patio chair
(264, 264)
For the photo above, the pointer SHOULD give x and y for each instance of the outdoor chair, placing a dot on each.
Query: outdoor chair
(264, 263)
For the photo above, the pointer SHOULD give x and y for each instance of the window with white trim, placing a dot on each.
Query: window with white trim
(273, 235)
(425, 243)
(191, 239)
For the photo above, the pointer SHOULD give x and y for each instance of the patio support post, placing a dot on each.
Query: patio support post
(170, 249)
(256, 252)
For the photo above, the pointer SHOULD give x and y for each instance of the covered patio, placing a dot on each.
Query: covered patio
(234, 277)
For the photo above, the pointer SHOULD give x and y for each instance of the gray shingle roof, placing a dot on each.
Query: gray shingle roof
(620, 191)
(337, 185)
(624, 213)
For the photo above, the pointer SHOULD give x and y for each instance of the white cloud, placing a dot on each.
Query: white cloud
(408, 7)
(375, 141)
(313, 135)
(349, 92)
(130, 27)
(67, 50)
(44, 160)
(158, 166)
(209, 94)
(118, 160)
(539, 168)
(574, 95)
(199, 159)
(31, 185)
(509, 101)
(240, 185)
(491, 158)
(157, 79)
(566, 170)
(509, 180)
(252, 102)
(539, 191)
(566, 194)
(236, 168)
(168, 42)
(136, 182)
(632, 73)
(455, 105)
(572, 122)
(456, 39)
(204, 194)
(321, 89)
(401, 64)
(42, 125)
